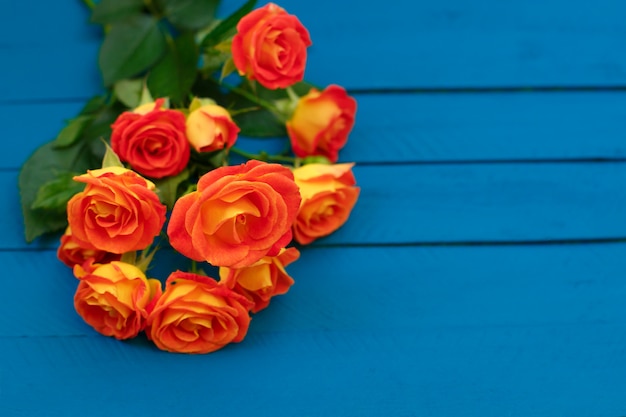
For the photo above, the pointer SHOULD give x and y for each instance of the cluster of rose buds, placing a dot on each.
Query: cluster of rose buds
(240, 218)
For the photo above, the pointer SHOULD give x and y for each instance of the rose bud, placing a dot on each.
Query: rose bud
(152, 140)
(210, 128)
(321, 123)
(197, 315)
(262, 280)
(328, 196)
(114, 298)
(270, 47)
(117, 212)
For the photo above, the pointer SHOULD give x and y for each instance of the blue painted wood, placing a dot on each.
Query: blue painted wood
(406, 44)
(477, 127)
(417, 127)
(461, 203)
(398, 288)
(417, 331)
(496, 330)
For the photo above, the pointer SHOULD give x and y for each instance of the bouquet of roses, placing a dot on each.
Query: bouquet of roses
(153, 162)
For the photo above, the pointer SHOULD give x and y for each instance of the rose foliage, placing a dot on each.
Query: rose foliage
(155, 163)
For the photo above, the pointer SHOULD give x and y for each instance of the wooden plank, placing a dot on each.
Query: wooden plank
(491, 202)
(29, 125)
(443, 44)
(478, 127)
(39, 23)
(71, 71)
(443, 287)
(456, 43)
(417, 127)
(517, 372)
(487, 331)
(431, 204)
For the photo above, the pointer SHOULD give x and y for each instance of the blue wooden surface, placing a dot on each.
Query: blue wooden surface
(482, 272)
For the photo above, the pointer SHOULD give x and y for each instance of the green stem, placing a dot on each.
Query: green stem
(90, 3)
(292, 95)
(264, 156)
(152, 9)
(244, 110)
(255, 99)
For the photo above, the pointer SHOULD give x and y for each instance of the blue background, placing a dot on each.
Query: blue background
(483, 270)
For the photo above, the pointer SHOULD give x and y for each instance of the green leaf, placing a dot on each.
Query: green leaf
(213, 60)
(198, 102)
(189, 14)
(260, 123)
(129, 91)
(109, 11)
(50, 162)
(54, 194)
(167, 188)
(131, 47)
(227, 27)
(146, 97)
(129, 257)
(100, 129)
(110, 158)
(175, 74)
(39, 169)
(228, 68)
(72, 131)
(94, 105)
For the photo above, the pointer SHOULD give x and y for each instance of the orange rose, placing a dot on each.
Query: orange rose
(117, 212)
(197, 315)
(113, 298)
(238, 215)
(152, 141)
(210, 128)
(262, 280)
(71, 253)
(270, 47)
(328, 196)
(321, 123)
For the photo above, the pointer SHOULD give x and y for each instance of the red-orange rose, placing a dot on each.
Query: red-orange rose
(197, 315)
(114, 298)
(117, 212)
(321, 122)
(210, 128)
(270, 47)
(238, 215)
(262, 280)
(328, 196)
(152, 140)
(71, 253)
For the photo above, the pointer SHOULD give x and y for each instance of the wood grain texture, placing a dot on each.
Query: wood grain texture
(424, 128)
(443, 44)
(394, 314)
(400, 288)
(426, 204)
(529, 331)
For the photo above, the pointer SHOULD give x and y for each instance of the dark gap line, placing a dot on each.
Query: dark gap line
(52, 100)
(452, 162)
(426, 244)
(46, 336)
(28, 249)
(487, 90)
(477, 243)
(391, 90)
(512, 161)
